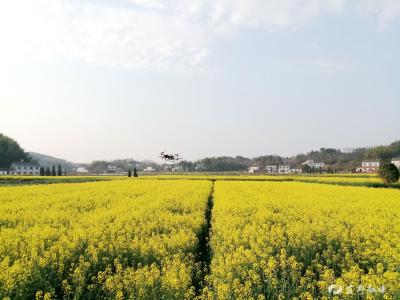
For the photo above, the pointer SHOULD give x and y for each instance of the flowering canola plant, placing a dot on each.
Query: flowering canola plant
(111, 240)
(284, 240)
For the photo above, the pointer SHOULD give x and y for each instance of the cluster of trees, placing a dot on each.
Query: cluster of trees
(10, 152)
(386, 153)
(135, 174)
(224, 163)
(52, 172)
(389, 173)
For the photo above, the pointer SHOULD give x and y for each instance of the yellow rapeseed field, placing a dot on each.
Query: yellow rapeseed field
(145, 239)
(337, 179)
(278, 240)
(113, 240)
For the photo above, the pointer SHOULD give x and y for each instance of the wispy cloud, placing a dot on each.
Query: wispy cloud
(331, 66)
(328, 66)
(153, 34)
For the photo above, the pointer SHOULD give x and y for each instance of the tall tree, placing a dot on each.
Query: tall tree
(129, 173)
(389, 173)
(135, 174)
(10, 152)
(41, 171)
(48, 171)
(53, 171)
(59, 171)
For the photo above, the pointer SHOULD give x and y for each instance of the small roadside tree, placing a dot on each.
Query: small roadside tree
(129, 173)
(59, 171)
(41, 171)
(135, 174)
(47, 171)
(53, 171)
(389, 173)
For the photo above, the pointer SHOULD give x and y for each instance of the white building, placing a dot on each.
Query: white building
(149, 169)
(25, 168)
(177, 169)
(81, 170)
(3, 172)
(369, 166)
(253, 170)
(284, 169)
(111, 169)
(271, 169)
(313, 164)
(396, 162)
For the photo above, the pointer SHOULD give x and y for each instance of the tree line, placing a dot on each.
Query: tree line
(52, 172)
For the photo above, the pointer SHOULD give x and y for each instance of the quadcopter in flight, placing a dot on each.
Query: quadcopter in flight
(170, 157)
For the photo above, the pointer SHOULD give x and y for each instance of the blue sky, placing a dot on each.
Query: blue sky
(87, 80)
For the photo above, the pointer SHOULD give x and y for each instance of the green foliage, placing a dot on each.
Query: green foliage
(129, 173)
(10, 152)
(389, 173)
(135, 174)
(98, 166)
(53, 171)
(384, 152)
(187, 165)
(224, 163)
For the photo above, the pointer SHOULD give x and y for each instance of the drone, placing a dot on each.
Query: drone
(169, 157)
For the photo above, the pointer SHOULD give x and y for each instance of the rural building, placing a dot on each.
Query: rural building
(313, 164)
(149, 169)
(25, 168)
(253, 170)
(173, 168)
(369, 166)
(271, 169)
(111, 169)
(284, 169)
(396, 162)
(177, 169)
(81, 170)
(3, 172)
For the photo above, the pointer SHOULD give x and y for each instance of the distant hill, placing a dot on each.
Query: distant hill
(48, 161)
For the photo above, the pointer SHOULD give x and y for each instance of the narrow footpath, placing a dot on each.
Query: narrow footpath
(203, 253)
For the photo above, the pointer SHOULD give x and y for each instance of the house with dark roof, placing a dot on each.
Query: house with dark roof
(25, 168)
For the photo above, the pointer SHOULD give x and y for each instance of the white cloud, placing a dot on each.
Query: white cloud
(331, 66)
(155, 34)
